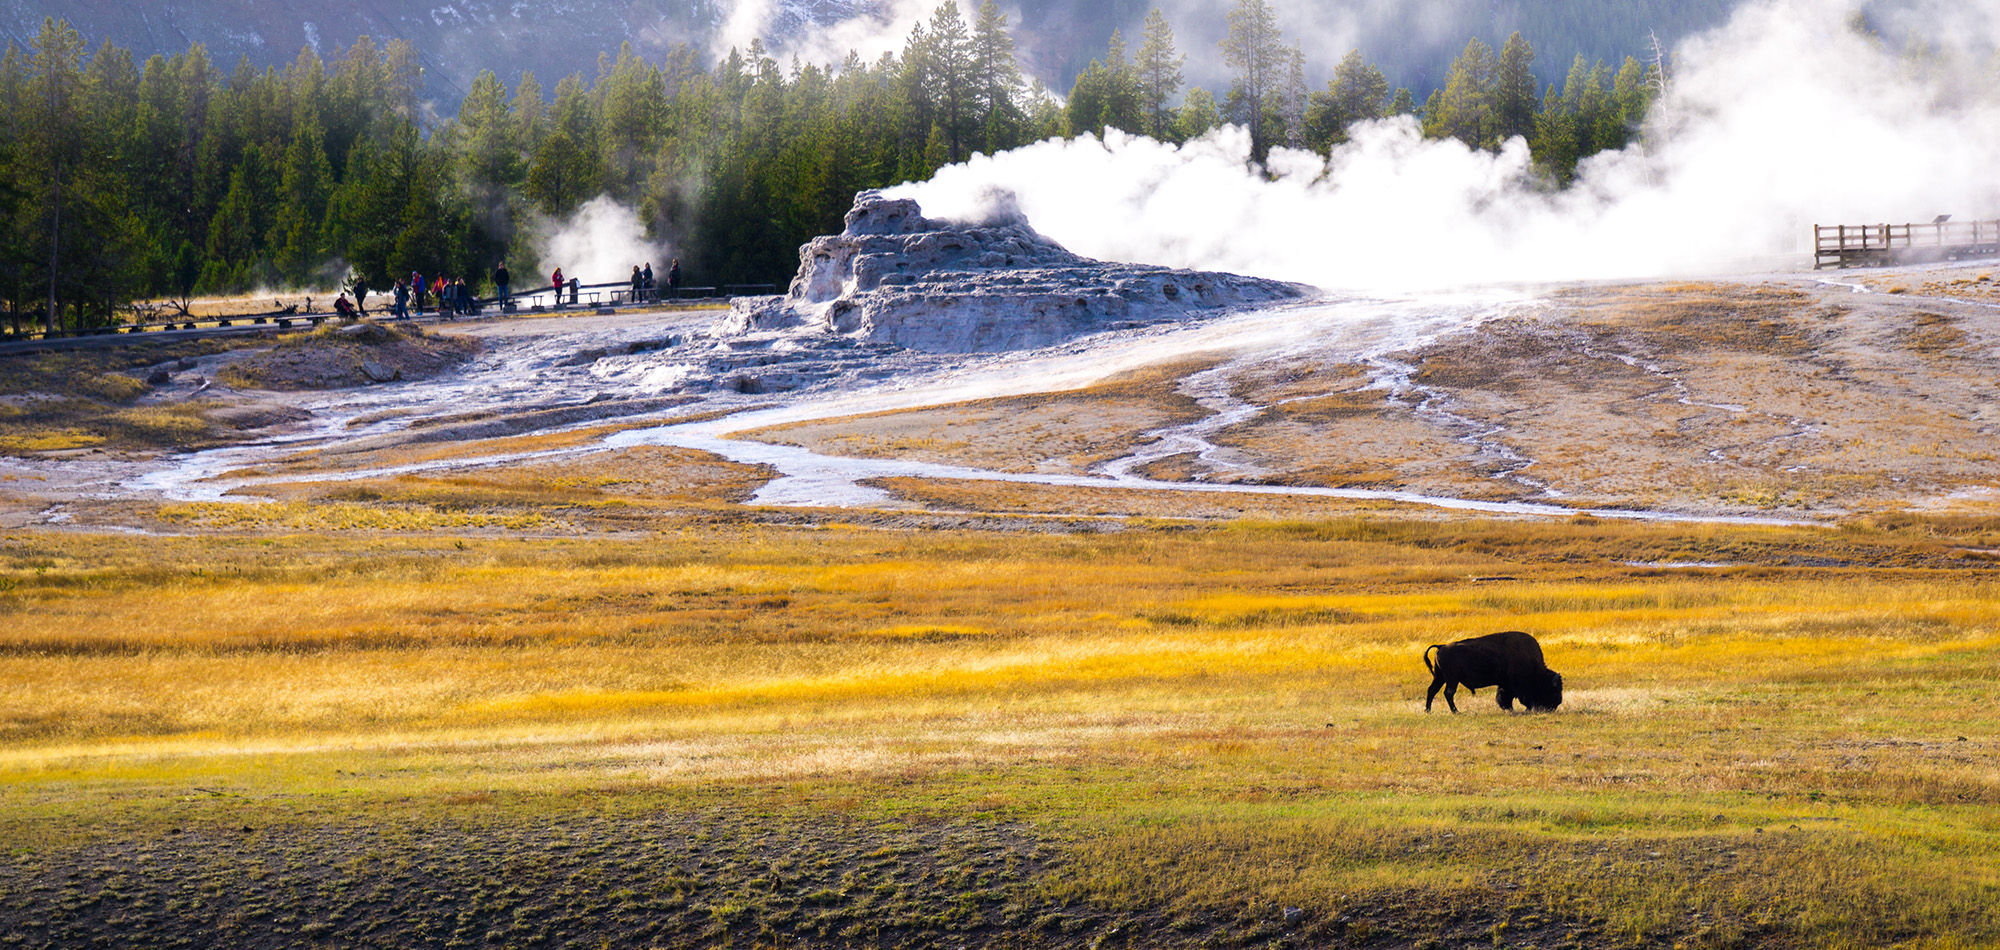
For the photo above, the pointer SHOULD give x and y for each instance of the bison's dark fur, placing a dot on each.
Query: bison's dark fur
(1510, 660)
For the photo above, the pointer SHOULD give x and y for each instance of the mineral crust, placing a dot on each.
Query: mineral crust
(893, 276)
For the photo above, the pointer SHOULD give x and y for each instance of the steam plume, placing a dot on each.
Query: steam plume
(1785, 116)
(601, 243)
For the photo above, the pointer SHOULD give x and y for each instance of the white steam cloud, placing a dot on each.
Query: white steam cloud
(884, 28)
(599, 244)
(1784, 117)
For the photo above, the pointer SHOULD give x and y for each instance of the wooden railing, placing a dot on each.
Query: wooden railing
(1862, 245)
(528, 300)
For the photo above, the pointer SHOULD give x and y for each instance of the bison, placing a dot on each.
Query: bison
(1510, 660)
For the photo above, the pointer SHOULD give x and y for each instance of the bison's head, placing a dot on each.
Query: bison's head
(1547, 693)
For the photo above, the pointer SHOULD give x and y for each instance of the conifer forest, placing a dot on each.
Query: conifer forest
(180, 176)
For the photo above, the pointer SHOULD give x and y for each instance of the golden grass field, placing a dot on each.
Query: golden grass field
(576, 697)
(1175, 734)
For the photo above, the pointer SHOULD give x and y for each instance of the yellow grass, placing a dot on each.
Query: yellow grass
(1207, 717)
(296, 516)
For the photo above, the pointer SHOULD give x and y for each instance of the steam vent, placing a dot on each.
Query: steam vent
(893, 276)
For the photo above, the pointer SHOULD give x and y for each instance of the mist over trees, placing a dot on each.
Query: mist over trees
(174, 177)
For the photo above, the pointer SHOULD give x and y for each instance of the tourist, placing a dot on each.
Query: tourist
(556, 281)
(500, 283)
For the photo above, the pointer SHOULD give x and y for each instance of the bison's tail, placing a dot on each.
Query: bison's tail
(1433, 648)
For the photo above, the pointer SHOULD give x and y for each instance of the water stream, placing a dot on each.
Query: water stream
(538, 371)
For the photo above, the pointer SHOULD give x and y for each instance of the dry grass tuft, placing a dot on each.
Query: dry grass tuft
(56, 402)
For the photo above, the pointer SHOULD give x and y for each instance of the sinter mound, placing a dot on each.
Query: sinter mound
(894, 276)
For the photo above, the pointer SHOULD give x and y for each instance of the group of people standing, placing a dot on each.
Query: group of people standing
(451, 296)
(444, 295)
(645, 289)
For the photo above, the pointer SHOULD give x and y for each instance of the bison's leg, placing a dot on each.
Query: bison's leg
(1436, 684)
(1450, 690)
(1506, 699)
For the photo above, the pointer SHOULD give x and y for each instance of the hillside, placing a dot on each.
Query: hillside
(1057, 38)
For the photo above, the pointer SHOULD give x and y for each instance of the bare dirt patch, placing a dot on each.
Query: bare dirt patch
(1704, 398)
(1334, 425)
(1980, 282)
(55, 404)
(187, 395)
(1064, 432)
(338, 357)
(1696, 397)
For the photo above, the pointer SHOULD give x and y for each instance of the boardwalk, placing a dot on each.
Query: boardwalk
(1863, 245)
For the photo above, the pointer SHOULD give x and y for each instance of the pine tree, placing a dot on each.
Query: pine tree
(1255, 49)
(948, 48)
(486, 138)
(1197, 116)
(13, 194)
(402, 75)
(630, 102)
(1514, 104)
(489, 167)
(1632, 92)
(997, 79)
(304, 189)
(1160, 78)
(911, 105)
(1045, 118)
(1106, 94)
(1124, 104)
(1464, 108)
(1293, 111)
(1084, 108)
(1556, 145)
(53, 151)
(530, 112)
(1360, 92)
(567, 169)
(236, 249)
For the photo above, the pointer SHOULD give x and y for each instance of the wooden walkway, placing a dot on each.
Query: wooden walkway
(1866, 245)
(534, 300)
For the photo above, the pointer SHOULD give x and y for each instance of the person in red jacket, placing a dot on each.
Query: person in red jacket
(556, 281)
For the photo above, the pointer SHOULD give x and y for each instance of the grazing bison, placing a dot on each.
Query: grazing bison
(1510, 660)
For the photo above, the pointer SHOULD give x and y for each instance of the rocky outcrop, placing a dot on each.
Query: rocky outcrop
(893, 276)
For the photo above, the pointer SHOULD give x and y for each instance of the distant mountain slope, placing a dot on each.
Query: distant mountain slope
(455, 39)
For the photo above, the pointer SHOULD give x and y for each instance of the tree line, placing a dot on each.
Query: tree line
(121, 181)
